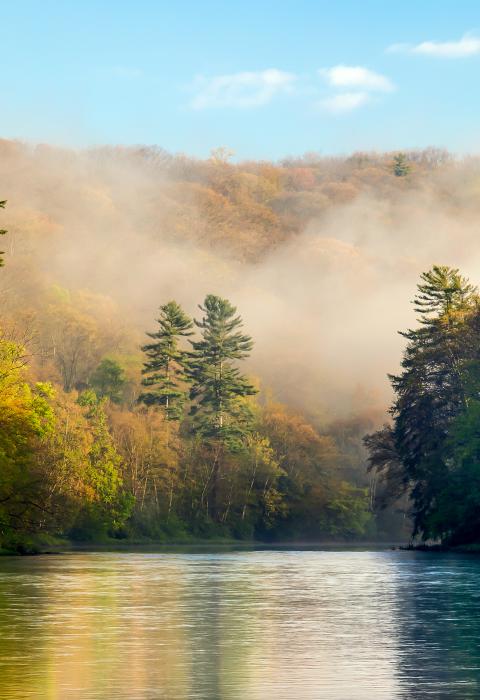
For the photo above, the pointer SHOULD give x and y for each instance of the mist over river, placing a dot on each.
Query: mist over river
(240, 625)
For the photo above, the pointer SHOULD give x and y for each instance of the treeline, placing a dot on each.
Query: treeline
(430, 452)
(243, 209)
(183, 450)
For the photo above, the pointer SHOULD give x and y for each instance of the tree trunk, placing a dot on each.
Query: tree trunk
(216, 483)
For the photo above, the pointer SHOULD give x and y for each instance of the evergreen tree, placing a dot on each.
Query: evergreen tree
(165, 369)
(220, 416)
(442, 291)
(430, 392)
(401, 167)
(217, 384)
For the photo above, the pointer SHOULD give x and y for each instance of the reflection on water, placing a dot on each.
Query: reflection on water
(249, 625)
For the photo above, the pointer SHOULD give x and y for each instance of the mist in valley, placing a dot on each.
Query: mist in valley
(323, 296)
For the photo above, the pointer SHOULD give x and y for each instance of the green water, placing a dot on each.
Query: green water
(248, 625)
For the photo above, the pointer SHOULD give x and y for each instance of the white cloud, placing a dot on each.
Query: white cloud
(244, 90)
(356, 77)
(468, 45)
(344, 102)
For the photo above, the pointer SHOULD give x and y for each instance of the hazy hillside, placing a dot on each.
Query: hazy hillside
(319, 253)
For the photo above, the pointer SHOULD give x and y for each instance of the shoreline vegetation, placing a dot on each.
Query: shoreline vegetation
(39, 547)
(472, 548)
(232, 545)
(110, 432)
(193, 457)
(61, 546)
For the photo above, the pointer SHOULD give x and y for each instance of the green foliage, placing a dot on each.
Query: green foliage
(401, 167)
(90, 467)
(432, 451)
(166, 364)
(442, 292)
(217, 384)
(97, 522)
(231, 467)
(456, 516)
(103, 472)
(348, 513)
(105, 506)
(60, 294)
(25, 419)
(108, 380)
(221, 416)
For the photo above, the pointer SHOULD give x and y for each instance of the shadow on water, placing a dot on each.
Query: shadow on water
(438, 613)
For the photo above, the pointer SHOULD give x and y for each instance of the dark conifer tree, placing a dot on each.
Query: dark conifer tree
(430, 392)
(165, 369)
(218, 387)
(217, 383)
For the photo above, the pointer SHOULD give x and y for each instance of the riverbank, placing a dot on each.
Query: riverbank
(57, 545)
(51, 545)
(473, 548)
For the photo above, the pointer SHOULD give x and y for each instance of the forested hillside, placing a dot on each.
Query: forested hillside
(297, 267)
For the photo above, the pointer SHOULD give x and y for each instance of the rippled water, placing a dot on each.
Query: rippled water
(249, 625)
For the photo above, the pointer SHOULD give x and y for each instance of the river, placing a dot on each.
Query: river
(240, 625)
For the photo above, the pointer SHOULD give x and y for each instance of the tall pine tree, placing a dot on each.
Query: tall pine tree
(217, 383)
(220, 416)
(164, 370)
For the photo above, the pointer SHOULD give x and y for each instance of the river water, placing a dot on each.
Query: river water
(240, 625)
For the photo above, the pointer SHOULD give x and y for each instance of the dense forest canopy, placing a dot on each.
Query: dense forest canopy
(109, 430)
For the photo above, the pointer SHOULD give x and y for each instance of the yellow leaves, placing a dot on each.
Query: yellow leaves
(25, 413)
(42, 412)
(79, 457)
(149, 444)
(288, 426)
(261, 454)
(301, 449)
(78, 328)
(30, 223)
(12, 360)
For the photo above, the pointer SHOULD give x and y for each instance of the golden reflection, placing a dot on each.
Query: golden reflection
(235, 626)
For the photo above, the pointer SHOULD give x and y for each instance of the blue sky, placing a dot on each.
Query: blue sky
(266, 79)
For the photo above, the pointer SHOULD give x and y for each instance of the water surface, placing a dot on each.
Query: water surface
(248, 625)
